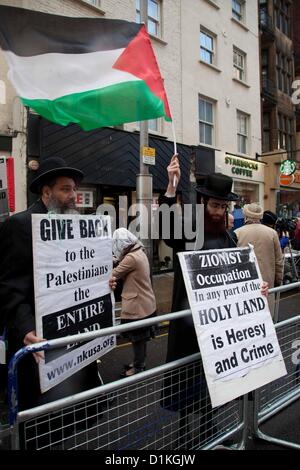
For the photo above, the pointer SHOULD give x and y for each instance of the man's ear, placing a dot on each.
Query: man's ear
(46, 191)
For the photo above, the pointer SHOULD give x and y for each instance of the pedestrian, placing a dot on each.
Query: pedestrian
(266, 247)
(269, 219)
(138, 299)
(187, 391)
(55, 183)
(238, 216)
(230, 222)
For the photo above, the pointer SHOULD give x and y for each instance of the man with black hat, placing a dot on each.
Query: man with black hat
(269, 219)
(56, 185)
(187, 392)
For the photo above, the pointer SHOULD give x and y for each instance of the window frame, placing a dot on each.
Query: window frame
(284, 72)
(285, 132)
(152, 19)
(157, 131)
(282, 17)
(207, 124)
(210, 52)
(241, 70)
(94, 3)
(244, 137)
(238, 16)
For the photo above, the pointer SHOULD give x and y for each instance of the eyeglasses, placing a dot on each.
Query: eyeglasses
(216, 205)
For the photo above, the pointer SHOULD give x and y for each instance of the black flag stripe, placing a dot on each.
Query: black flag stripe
(28, 33)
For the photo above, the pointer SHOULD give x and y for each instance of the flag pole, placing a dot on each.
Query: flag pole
(144, 178)
(175, 150)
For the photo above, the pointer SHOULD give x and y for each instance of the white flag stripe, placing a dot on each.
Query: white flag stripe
(49, 76)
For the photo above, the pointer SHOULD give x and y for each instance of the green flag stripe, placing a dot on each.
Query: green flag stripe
(109, 106)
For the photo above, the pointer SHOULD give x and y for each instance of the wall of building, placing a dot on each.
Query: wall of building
(217, 82)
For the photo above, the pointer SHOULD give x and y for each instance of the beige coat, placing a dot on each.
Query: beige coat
(138, 299)
(267, 250)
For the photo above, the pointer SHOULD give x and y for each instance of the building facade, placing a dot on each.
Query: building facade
(208, 54)
(278, 27)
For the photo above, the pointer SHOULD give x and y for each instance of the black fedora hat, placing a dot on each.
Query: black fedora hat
(51, 168)
(269, 218)
(218, 186)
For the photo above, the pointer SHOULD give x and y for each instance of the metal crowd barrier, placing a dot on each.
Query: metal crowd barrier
(164, 408)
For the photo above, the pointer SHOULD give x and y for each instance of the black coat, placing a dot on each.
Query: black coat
(18, 312)
(182, 338)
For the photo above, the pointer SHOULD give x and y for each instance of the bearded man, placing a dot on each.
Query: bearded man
(186, 391)
(56, 184)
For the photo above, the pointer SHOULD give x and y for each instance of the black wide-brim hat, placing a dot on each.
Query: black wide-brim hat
(51, 168)
(217, 186)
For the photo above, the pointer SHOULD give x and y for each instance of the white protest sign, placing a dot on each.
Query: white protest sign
(72, 259)
(235, 331)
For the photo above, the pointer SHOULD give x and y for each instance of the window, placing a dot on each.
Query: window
(265, 67)
(248, 192)
(266, 132)
(154, 16)
(154, 125)
(285, 132)
(206, 121)
(242, 132)
(239, 64)
(207, 41)
(238, 9)
(284, 73)
(94, 2)
(282, 16)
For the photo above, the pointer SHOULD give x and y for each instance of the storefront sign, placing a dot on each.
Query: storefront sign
(149, 155)
(85, 199)
(288, 167)
(241, 167)
(286, 180)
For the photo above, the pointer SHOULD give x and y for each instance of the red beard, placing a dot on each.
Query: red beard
(213, 226)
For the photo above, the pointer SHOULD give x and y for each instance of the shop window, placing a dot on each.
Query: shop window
(248, 192)
(288, 204)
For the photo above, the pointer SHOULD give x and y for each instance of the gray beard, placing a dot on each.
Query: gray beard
(57, 208)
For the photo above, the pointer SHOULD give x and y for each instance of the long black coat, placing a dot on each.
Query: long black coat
(18, 313)
(183, 391)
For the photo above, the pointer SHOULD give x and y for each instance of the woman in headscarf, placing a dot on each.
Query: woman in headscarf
(138, 299)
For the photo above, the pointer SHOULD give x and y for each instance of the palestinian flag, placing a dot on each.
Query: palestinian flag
(93, 72)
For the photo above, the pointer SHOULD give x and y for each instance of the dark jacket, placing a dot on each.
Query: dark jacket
(182, 339)
(18, 312)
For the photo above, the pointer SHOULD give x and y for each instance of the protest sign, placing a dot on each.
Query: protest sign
(235, 331)
(4, 209)
(72, 259)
